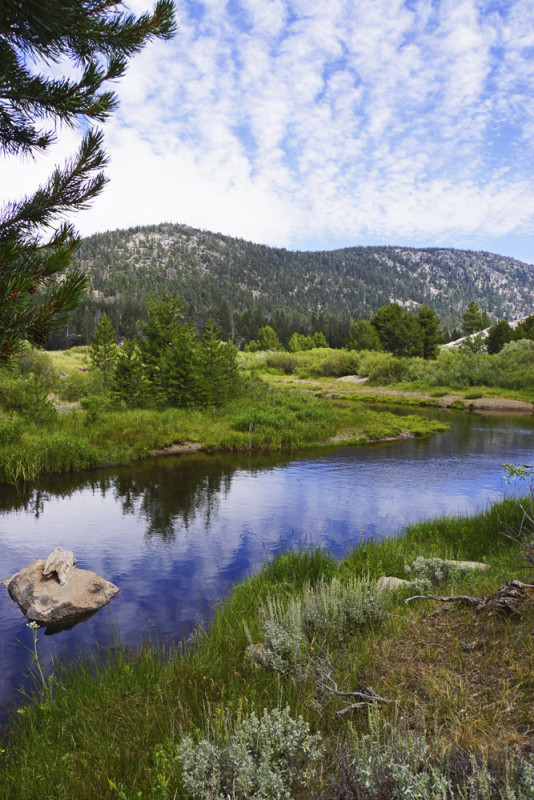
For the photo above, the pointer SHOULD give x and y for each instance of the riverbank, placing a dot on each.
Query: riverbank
(353, 387)
(455, 687)
(97, 434)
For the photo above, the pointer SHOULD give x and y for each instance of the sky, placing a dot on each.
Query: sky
(317, 124)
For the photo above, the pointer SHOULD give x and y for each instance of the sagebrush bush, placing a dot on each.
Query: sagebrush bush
(262, 758)
(330, 610)
(424, 573)
(391, 763)
(335, 608)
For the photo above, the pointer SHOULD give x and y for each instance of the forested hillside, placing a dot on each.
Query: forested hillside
(244, 285)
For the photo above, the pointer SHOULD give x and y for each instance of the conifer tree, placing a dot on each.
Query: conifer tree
(432, 336)
(103, 350)
(37, 289)
(129, 385)
(179, 368)
(217, 378)
(473, 319)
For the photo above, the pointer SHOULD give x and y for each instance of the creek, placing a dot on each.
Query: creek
(176, 533)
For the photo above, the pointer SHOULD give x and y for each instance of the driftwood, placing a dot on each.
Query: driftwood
(366, 697)
(507, 601)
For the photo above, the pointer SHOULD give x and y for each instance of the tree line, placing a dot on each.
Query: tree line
(169, 364)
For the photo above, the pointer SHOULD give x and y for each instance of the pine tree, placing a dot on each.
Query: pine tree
(103, 350)
(217, 368)
(158, 332)
(473, 320)
(37, 289)
(432, 336)
(130, 384)
(179, 369)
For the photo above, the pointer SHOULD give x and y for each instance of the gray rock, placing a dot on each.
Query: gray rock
(48, 602)
(467, 564)
(61, 563)
(389, 582)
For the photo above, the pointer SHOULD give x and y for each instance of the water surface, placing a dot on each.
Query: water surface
(175, 533)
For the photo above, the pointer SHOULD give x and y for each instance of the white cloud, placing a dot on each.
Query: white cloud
(288, 121)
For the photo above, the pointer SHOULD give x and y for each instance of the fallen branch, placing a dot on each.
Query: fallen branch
(507, 601)
(366, 697)
(461, 598)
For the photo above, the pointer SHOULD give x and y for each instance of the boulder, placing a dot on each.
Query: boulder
(48, 601)
(389, 582)
(465, 565)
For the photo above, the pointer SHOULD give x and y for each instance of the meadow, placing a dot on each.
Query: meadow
(56, 416)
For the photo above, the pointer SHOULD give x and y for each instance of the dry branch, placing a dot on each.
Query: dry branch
(507, 601)
(365, 698)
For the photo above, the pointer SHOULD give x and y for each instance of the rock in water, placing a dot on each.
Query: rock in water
(62, 563)
(44, 599)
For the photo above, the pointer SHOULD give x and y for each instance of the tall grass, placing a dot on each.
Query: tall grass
(37, 439)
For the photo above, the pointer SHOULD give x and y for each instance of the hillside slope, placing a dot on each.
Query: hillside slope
(210, 271)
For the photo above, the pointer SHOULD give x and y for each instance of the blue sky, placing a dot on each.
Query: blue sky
(313, 124)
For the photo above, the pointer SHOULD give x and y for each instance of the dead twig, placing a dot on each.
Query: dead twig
(366, 697)
(508, 600)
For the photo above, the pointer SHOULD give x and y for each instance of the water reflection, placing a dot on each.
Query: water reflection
(175, 533)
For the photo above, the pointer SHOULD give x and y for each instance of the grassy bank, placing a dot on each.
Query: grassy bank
(506, 374)
(84, 427)
(456, 689)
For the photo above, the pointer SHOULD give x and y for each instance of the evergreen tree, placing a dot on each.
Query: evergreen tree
(217, 368)
(473, 320)
(319, 339)
(398, 330)
(432, 336)
(103, 350)
(178, 377)
(266, 340)
(525, 329)
(298, 342)
(498, 335)
(160, 329)
(129, 384)
(36, 289)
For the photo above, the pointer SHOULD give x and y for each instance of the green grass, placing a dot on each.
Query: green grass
(507, 374)
(466, 678)
(98, 434)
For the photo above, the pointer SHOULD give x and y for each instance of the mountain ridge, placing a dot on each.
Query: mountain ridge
(212, 271)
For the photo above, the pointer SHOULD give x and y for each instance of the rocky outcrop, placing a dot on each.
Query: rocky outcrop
(57, 594)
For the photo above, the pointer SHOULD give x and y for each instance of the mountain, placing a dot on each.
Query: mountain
(238, 280)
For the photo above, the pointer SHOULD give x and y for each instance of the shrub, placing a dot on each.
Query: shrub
(328, 610)
(80, 384)
(336, 608)
(427, 572)
(386, 764)
(27, 396)
(262, 758)
(35, 362)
